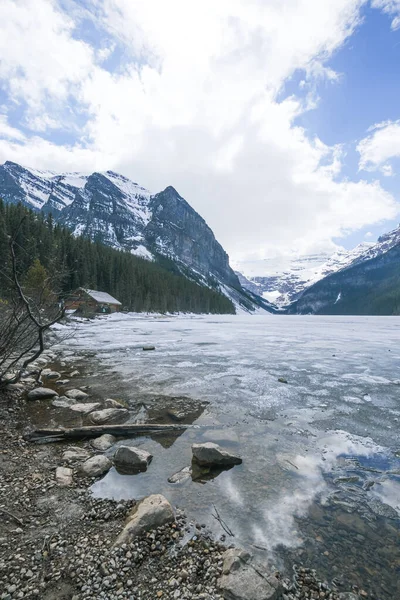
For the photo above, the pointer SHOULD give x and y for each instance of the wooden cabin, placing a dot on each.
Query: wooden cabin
(92, 301)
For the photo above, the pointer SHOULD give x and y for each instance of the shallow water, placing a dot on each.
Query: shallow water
(320, 480)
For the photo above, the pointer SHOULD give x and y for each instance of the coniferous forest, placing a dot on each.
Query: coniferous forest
(140, 285)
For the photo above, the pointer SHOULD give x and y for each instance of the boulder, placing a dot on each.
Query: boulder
(76, 394)
(64, 476)
(96, 466)
(75, 453)
(130, 459)
(62, 381)
(242, 579)
(41, 393)
(104, 442)
(83, 408)
(212, 455)
(110, 403)
(109, 415)
(181, 476)
(148, 347)
(63, 402)
(151, 512)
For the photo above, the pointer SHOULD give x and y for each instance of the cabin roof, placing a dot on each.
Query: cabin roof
(102, 297)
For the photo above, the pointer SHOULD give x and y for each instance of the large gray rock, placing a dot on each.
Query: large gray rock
(104, 442)
(243, 579)
(212, 455)
(96, 466)
(75, 453)
(109, 415)
(76, 394)
(83, 408)
(64, 476)
(130, 459)
(41, 393)
(152, 512)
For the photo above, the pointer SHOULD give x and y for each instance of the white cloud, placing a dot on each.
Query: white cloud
(381, 145)
(195, 105)
(8, 132)
(392, 8)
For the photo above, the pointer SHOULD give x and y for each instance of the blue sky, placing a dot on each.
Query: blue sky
(262, 114)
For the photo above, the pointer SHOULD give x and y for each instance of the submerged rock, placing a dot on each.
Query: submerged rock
(109, 415)
(64, 476)
(41, 393)
(152, 512)
(76, 394)
(130, 459)
(212, 455)
(244, 580)
(104, 442)
(181, 476)
(96, 466)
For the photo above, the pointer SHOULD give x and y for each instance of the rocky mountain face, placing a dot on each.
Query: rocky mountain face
(283, 282)
(369, 286)
(114, 210)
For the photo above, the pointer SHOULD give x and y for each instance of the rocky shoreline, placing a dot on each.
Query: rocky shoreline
(58, 542)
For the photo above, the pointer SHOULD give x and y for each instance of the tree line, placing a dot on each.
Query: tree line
(140, 285)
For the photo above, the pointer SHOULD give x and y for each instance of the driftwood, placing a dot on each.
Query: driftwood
(62, 433)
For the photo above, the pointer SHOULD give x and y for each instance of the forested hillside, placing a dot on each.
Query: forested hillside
(78, 262)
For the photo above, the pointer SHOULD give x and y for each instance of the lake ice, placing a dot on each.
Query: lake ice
(326, 440)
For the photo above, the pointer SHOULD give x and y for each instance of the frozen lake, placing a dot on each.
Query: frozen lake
(320, 480)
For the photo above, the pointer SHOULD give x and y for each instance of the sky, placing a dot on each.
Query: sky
(277, 120)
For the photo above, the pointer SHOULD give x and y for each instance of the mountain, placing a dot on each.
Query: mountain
(283, 281)
(369, 286)
(112, 209)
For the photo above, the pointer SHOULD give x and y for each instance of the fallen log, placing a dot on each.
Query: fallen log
(74, 433)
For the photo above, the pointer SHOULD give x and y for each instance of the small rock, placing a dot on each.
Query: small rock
(76, 394)
(63, 402)
(130, 459)
(109, 415)
(110, 403)
(181, 476)
(147, 348)
(152, 512)
(212, 455)
(52, 375)
(41, 393)
(64, 476)
(243, 580)
(85, 409)
(96, 466)
(75, 454)
(104, 442)
(282, 380)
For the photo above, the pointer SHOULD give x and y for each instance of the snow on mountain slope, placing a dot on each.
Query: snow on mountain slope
(282, 280)
(118, 212)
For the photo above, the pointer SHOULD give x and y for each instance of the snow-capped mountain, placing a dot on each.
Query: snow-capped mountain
(283, 280)
(111, 208)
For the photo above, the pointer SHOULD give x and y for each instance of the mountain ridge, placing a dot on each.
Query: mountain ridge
(110, 208)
